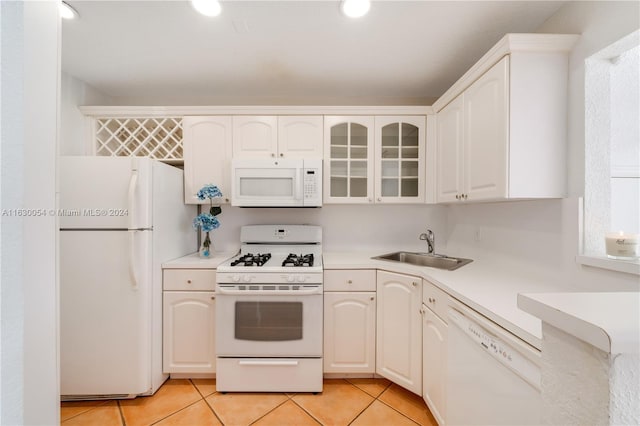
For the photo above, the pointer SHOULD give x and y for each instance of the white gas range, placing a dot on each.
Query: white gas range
(269, 311)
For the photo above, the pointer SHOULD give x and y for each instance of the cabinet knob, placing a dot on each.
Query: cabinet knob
(379, 199)
(457, 197)
(226, 200)
(188, 281)
(414, 284)
(213, 298)
(349, 282)
(273, 155)
(371, 298)
(465, 196)
(281, 154)
(432, 300)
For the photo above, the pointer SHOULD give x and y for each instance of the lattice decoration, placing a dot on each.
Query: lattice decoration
(155, 137)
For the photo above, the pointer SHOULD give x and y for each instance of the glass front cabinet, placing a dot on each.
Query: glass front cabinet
(399, 159)
(349, 158)
(374, 159)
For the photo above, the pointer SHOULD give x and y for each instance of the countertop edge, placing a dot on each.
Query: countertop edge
(583, 322)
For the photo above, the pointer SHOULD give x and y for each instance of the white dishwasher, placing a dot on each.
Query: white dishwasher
(493, 377)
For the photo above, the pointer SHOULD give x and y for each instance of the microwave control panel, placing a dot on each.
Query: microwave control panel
(312, 183)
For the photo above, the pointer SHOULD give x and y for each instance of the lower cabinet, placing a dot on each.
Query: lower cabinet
(434, 353)
(350, 321)
(399, 330)
(349, 332)
(188, 328)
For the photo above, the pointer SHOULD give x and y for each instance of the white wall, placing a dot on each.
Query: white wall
(73, 128)
(546, 233)
(30, 75)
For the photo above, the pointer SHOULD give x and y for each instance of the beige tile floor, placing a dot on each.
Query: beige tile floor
(195, 402)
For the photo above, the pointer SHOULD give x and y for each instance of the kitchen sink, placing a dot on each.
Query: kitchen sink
(439, 261)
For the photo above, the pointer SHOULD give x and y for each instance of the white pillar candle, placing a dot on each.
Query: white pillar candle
(621, 245)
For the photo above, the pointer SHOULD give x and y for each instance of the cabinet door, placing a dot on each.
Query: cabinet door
(449, 151)
(348, 159)
(349, 332)
(399, 159)
(255, 136)
(189, 332)
(434, 363)
(207, 156)
(300, 136)
(399, 330)
(486, 104)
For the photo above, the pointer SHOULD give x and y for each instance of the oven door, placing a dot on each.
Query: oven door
(283, 321)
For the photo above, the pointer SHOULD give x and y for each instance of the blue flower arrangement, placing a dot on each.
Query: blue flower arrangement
(208, 221)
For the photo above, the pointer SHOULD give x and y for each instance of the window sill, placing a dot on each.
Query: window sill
(602, 262)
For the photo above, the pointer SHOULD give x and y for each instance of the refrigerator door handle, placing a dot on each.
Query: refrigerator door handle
(131, 195)
(132, 260)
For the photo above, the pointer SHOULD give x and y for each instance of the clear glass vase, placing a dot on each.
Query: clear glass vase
(206, 249)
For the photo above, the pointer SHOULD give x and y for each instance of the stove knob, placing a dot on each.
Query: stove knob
(290, 278)
(235, 278)
(301, 278)
(246, 278)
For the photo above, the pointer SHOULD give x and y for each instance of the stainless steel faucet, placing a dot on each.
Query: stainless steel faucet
(430, 238)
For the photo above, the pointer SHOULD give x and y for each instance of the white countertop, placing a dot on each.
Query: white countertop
(608, 321)
(194, 261)
(489, 287)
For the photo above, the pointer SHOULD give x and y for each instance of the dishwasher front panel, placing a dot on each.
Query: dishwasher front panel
(489, 382)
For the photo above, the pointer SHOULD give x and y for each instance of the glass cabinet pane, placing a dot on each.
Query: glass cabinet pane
(349, 175)
(339, 135)
(409, 187)
(358, 134)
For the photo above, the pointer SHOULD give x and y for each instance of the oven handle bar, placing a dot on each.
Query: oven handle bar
(281, 363)
(311, 290)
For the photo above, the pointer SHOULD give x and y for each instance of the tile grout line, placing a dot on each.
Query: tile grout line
(375, 398)
(270, 411)
(122, 419)
(83, 412)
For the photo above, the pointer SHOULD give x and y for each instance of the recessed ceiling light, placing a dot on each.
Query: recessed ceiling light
(67, 12)
(207, 7)
(355, 8)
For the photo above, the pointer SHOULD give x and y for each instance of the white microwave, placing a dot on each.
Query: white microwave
(258, 182)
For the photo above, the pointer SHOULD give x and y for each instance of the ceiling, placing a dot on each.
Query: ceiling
(285, 52)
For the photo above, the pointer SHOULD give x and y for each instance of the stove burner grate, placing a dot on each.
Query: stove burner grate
(298, 260)
(250, 259)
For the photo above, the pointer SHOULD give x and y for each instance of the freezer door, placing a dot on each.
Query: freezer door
(105, 312)
(105, 193)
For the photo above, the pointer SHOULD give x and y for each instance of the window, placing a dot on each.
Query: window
(612, 145)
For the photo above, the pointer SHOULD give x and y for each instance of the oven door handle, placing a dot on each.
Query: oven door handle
(313, 290)
(282, 363)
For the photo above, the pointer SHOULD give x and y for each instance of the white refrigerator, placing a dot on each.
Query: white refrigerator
(120, 218)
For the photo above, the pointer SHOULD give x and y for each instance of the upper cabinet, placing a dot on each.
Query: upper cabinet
(348, 160)
(399, 159)
(207, 155)
(295, 136)
(501, 129)
(374, 159)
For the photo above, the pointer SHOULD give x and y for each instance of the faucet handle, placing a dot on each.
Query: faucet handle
(423, 237)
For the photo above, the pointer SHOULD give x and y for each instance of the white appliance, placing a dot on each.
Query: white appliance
(120, 218)
(269, 307)
(493, 377)
(259, 182)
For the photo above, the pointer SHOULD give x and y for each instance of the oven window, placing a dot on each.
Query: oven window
(268, 321)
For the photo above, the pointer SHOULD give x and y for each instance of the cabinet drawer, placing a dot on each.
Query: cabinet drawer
(189, 279)
(350, 280)
(435, 299)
